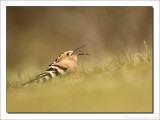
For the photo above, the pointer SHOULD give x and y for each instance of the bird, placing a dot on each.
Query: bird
(66, 63)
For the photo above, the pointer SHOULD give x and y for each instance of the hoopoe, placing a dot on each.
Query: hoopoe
(66, 63)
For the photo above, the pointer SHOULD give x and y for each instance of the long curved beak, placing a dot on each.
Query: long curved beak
(83, 54)
(80, 51)
(79, 47)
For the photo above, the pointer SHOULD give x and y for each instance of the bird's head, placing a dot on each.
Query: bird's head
(71, 55)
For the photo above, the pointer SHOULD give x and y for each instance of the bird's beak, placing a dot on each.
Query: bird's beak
(78, 51)
(83, 54)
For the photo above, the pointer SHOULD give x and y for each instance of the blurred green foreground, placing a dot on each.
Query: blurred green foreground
(107, 87)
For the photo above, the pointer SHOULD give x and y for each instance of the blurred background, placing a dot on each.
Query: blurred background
(40, 34)
(36, 36)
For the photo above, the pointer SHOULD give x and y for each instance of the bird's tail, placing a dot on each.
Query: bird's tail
(51, 72)
(41, 78)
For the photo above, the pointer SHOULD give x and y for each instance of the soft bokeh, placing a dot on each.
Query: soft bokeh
(116, 77)
(40, 34)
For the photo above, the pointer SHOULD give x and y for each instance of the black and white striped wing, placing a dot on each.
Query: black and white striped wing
(51, 72)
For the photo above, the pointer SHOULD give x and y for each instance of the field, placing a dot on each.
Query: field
(113, 84)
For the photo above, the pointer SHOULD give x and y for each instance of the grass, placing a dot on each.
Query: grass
(117, 84)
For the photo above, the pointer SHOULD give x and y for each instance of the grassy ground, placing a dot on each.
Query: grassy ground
(119, 84)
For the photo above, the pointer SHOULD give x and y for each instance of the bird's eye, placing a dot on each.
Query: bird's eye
(67, 54)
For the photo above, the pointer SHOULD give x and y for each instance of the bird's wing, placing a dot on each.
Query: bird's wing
(51, 72)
